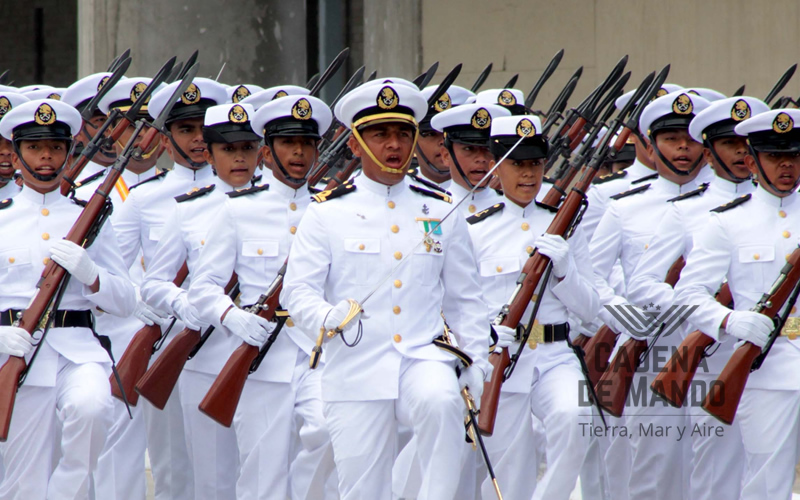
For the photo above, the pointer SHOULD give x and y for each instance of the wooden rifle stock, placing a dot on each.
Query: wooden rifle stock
(344, 174)
(581, 341)
(672, 384)
(598, 352)
(133, 363)
(159, 380)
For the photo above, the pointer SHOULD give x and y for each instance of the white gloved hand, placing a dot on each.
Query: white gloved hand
(247, 326)
(557, 249)
(15, 341)
(505, 336)
(338, 313)
(473, 379)
(147, 314)
(750, 326)
(183, 310)
(75, 260)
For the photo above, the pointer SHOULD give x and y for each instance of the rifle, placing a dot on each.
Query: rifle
(223, 397)
(617, 379)
(548, 72)
(159, 380)
(511, 82)
(425, 78)
(554, 113)
(672, 383)
(481, 78)
(723, 397)
(782, 81)
(331, 70)
(537, 265)
(738, 92)
(5, 77)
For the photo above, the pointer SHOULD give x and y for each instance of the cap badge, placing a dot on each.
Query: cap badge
(102, 82)
(301, 110)
(740, 110)
(5, 106)
(694, 92)
(525, 128)
(442, 103)
(279, 94)
(45, 115)
(506, 98)
(54, 96)
(661, 92)
(388, 98)
(137, 91)
(237, 114)
(783, 123)
(240, 93)
(191, 95)
(481, 119)
(682, 105)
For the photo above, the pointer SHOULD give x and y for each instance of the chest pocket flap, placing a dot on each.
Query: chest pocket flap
(260, 248)
(14, 257)
(362, 245)
(499, 265)
(757, 253)
(155, 232)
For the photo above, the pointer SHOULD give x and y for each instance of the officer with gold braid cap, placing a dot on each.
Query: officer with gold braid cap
(383, 369)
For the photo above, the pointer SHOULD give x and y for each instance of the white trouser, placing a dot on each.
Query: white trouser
(212, 447)
(120, 470)
(660, 463)
(364, 434)
(718, 461)
(770, 423)
(264, 424)
(593, 471)
(166, 445)
(554, 399)
(79, 408)
(617, 457)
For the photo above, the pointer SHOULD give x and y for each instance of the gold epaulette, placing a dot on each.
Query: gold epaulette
(483, 214)
(244, 191)
(692, 193)
(336, 192)
(432, 194)
(731, 204)
(6, 203)
(194, 193)
(610, 177)
(625, 194)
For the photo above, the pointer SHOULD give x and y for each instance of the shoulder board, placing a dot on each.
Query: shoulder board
(546, 207)
(256, 179)
(413, 171)
(244, 191)
(731, 204)
(624, 194)
(426, 182)
(90, 179)
(499, 192)
(314, 190)
(6, 203)
(156, 177)
(610, 177)
(195, 193)
(484, 214)
(645, 178)
(692, 193)
(548, 180)
(432, 194)
(336, 192)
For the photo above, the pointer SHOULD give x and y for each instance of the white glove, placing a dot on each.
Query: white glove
(249, 327)
(557, 249)
(75, 260)
(338, 313)
(505, 336)
(147, 314)
(750, 326)
(472, 379)
(15, 341)
(183, 310)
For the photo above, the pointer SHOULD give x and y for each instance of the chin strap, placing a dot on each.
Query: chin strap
(763, 177)
(669, 164)
(384, 168)
(277, 161)
(449, 145)
(420, 154)
(194, 165)
(45, 178)
(734, 178)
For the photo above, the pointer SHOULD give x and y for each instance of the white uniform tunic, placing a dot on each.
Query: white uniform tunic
(475, 202)
(67, 388)
(10, 190)
(547, 380)
(344, 248)
(749, 245)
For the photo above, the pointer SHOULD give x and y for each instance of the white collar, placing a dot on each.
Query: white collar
(381, 189)
(283, 189)
(770, 199)
(38, 198)
(733, 188)
(184, 173)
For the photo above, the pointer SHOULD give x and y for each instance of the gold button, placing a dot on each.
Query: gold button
(202, 242)
(499, 269)
(289, 322)
(398, 255)
(787, 256)
(756, 256)
(293, 206)
(525, 226)
(397, 338)
(293, 229)
(528, 250)
(534, 298)
(45, 212)
(646, 246)
(46, 260)
(782, 214)
(395, 229)
(398, 283)
(361, 247)
(786, 234)
(11, 260)
(391, 204)
(794, 310)
(194, 190)
(45, 236)
(260, 251)
(472, 209)
(396, 309)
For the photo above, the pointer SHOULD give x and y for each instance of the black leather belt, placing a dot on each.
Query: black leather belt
(63, 319)
(546, 334)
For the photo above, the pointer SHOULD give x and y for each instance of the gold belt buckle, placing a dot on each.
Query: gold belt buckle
(537, 334)
(791, 328)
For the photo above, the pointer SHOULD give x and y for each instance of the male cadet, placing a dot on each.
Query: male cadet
(252, 235)
(431, 170)
(547, 380)
(511, 99)
(232, 148)
(624, 233)
(384, 368)
(139, 226)
(466, 152)
(718, 463)
(238, 93)
(63, 411)
(747, 241)
(8, 188)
